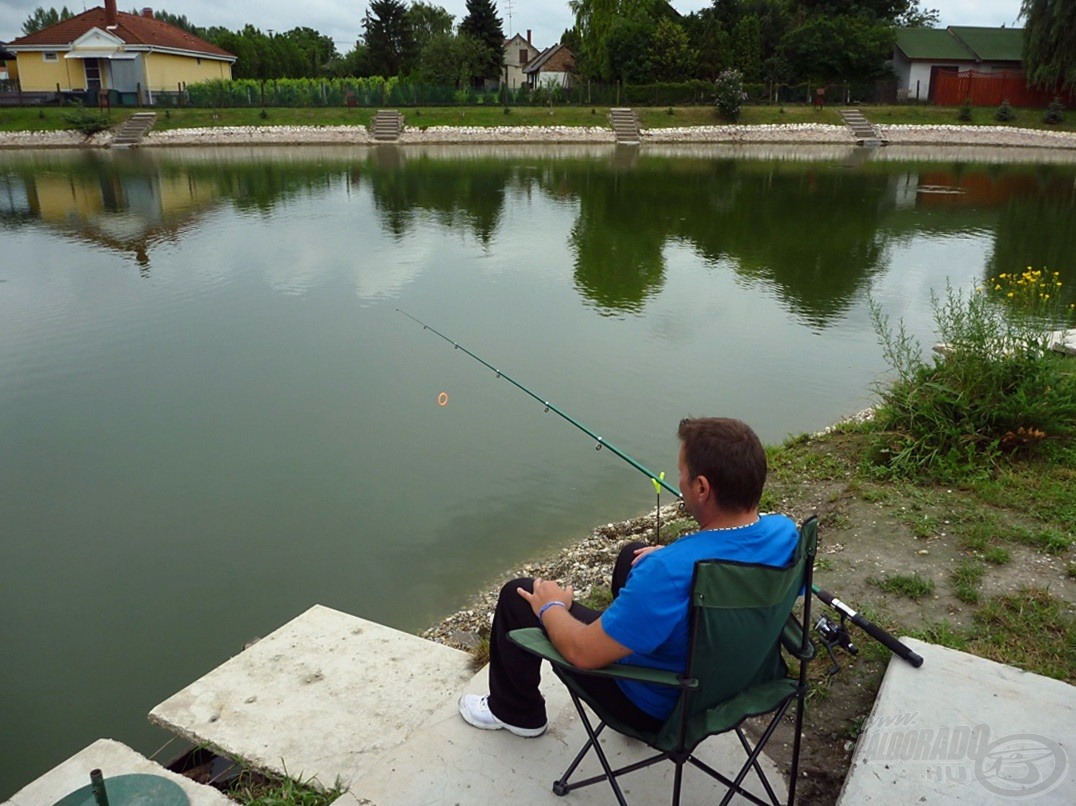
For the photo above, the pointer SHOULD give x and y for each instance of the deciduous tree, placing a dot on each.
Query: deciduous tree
(671, 56)
(1050, 42)
(428, 21)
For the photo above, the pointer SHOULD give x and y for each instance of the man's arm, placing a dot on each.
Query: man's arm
(583, 645)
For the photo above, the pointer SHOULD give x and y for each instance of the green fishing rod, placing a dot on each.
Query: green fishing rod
(601, 442)
(873, 630)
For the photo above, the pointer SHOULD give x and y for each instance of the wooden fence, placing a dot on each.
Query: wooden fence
(990, 89)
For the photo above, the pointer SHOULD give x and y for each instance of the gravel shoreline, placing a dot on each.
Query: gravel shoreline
(805, 133)
(584, 564)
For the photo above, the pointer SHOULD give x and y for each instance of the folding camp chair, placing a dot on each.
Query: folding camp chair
(741, 617)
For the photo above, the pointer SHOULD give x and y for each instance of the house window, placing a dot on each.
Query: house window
(50, 56)
(522, 55)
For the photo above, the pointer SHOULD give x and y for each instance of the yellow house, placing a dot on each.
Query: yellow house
(131, 57)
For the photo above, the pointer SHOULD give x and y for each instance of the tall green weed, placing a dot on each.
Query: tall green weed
(992, 392)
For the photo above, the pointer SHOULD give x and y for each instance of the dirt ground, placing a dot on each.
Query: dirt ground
(868, 533)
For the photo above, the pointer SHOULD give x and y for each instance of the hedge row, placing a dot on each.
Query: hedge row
(377, 91)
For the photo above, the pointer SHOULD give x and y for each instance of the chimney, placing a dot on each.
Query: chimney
(110, 12)
(147, 13)
(528, 36)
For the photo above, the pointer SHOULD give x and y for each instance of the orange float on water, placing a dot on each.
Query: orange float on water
(442, 399)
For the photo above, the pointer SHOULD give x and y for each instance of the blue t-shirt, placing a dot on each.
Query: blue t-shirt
(650, 614)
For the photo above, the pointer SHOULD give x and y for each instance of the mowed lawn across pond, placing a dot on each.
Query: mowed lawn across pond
(52, 118)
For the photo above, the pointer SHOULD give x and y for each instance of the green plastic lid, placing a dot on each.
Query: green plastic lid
(131, 790)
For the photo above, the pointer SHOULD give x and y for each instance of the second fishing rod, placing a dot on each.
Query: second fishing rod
(845, 611)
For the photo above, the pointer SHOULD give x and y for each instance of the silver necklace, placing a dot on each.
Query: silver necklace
(733, 528)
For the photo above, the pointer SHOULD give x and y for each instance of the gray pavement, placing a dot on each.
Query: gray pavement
(963, 729)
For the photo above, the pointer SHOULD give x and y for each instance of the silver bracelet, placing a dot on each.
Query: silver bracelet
(546, 606)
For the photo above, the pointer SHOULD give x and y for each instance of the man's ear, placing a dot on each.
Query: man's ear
(704, 487)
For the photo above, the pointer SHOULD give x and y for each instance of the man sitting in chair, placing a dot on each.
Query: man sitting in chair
(722, 473)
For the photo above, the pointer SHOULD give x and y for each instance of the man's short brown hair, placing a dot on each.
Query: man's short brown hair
(731, 457)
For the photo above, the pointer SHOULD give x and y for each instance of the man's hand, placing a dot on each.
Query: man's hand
(545, 591)
(584, 645)
(640, 553)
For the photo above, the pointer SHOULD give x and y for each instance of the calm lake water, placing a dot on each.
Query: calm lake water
(212, 415)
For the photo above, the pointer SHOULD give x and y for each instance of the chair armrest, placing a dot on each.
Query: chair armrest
(535, 641)
(792, 639)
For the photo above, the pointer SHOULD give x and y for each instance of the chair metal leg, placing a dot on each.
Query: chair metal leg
(794, 772)
(733, 788)
(753, 754)
(677, 780)
(562, 782)
(563, 787)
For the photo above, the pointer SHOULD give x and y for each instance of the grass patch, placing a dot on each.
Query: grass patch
(671, 530)
(598, 598)
(256, 789)
(1030, 629)
(1049, 540)
(480, 653)
(913, 587)
(966, 579)
(789, 462)
(944, 634)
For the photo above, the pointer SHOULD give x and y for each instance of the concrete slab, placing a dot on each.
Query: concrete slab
(1064, 341)
(449, 762)
(113, 759)
(333, 697)
(963, 729)
(322, 697)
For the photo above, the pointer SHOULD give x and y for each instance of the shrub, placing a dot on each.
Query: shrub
(87, 121)
(964, 115)
(1005, 112)
(995, 392)
(728, 93)
(1055, 112)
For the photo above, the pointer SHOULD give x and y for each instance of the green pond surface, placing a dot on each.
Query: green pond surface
(212, 415)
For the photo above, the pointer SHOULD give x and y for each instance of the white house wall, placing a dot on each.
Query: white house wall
(915, 76)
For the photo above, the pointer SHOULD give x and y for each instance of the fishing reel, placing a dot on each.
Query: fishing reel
(833, 635)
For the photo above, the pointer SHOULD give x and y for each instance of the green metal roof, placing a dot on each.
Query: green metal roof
(992, 44)
(931, 43)
(962, 43)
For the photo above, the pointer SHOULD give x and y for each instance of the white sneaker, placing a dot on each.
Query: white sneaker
(474, 709)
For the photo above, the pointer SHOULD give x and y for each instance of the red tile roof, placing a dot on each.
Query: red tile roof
(131, 28)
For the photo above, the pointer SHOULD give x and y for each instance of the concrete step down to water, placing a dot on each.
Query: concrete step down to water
(387, 125)
(625, 125)
(133, 129)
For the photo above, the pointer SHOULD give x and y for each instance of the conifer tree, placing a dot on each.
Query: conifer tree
(483, 24)
(389, 38)
(43, 18)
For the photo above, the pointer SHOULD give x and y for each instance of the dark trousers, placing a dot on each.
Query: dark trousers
(514, 674)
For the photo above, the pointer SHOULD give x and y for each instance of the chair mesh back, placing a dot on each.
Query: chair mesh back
(738, 613)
